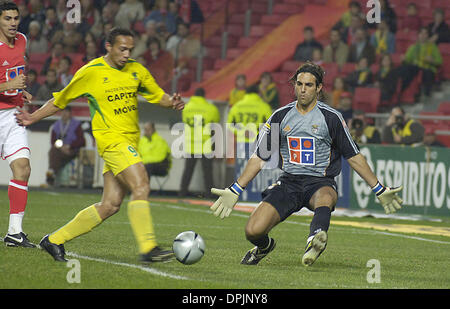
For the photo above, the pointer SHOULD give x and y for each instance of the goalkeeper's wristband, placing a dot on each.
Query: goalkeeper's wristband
(236, 188)
(378, 189)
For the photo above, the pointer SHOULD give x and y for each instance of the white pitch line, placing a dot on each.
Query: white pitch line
(146, 269)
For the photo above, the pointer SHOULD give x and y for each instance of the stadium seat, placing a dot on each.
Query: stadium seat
(366, 99)
(348, 68)
(290, 66)
(444, 108)
(409, 94)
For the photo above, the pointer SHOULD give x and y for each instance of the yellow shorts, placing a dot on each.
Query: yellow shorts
(119, 151)
(119, 157)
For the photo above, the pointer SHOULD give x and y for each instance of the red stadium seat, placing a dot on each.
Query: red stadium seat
(366, 99)
(444, 108)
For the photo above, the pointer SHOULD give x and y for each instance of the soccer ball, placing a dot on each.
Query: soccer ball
(188, 247)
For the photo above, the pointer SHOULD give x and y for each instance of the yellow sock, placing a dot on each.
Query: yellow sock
(83, 222)
(142, 225)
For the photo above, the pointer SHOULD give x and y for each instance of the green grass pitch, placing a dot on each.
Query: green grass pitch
(108, 255)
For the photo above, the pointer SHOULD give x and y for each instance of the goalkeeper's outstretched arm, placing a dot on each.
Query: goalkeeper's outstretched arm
(229, 196)
(387, 196)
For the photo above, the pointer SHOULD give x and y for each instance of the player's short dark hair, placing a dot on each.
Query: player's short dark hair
(252, 89)
(8, 6)
(115, 32)
(312, 68)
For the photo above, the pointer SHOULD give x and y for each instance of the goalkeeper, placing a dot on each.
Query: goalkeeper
(309, 137)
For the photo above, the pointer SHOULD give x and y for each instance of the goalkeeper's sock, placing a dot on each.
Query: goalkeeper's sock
(83, 223)
(262, 243)
(142, 225)
(320, 221)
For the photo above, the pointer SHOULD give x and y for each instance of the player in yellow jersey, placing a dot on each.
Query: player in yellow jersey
(111, 84)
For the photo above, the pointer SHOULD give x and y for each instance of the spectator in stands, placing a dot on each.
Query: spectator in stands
(361, 131)
(25, 17)
(50, 85)
(162, 16)
(354, 9)
(37, 10)
(190, 11)
(399, 129)
(174, 9)
(52, 26)
(183, 47)
(57, 52)
(429, 138)
(268, 90)
(386, 78)
(438, 30)
(348, 34)
(91, 52)
(337, 51)
(383, 40)
(388, 14)
(304, 50)
(151, 33)
(238, 92)
(71, 38)
(161, 64)
(64, 71)
(66, 140)
(346, 106)
(36, 42)
(361, 77)
(411, 22)
(361, 48)
(155, 151)
(106, 29)
(339, 86)
(423, 56)
(32, 83)
(129, 13)
(91, 19)
(317, 56)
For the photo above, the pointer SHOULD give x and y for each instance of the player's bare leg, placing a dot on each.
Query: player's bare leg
(261, 221)
(18, 195)
(136, 178)
(322, 202)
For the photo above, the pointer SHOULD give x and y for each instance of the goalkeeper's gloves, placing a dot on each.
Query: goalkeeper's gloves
(227, 199)
(388, 198)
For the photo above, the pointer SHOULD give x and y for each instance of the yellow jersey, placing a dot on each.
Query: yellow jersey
(112, 95)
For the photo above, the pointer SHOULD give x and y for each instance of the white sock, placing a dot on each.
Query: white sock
(15, 223)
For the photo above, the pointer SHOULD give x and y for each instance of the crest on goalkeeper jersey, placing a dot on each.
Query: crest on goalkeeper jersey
(301, 150)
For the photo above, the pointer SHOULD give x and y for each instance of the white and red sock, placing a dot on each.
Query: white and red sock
(18, 195)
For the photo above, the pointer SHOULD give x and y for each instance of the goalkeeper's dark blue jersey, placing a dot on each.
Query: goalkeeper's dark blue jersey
(310, 144)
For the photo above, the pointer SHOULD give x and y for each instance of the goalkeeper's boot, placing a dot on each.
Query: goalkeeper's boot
(255, 255)
(314, 248)
(157, 255)
(18, 240)
(56, 251)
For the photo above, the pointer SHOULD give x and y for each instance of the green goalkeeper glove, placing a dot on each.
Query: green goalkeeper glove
(388, 198)
(227, 199)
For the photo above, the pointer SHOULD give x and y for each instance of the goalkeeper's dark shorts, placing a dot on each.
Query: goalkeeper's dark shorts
(293, 192)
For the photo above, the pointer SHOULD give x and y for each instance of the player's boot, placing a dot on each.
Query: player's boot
(18, 240)
(255, 255)
(314, 248)
(56, 251)
(157, 255)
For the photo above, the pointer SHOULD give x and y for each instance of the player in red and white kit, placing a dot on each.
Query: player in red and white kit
(13, 138)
